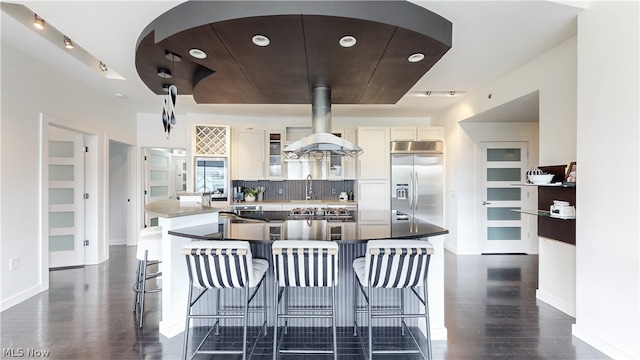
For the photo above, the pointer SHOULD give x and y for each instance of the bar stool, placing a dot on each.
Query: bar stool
(148, 253)
(393, 264)
(224, 265)
(304, 263)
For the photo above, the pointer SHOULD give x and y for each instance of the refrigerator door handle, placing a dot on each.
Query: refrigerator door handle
(411, 190)
(417, 195)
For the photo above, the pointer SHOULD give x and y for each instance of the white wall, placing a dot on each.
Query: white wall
(118, 193)
(29, 88)
(553, 74)
(608, 249)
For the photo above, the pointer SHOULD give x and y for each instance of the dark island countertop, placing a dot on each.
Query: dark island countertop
(267, 226)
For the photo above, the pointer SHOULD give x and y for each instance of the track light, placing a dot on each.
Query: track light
(68, 43)
(38, 22)
(103, 67)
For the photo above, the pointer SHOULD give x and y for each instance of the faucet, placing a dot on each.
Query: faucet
(308, 187)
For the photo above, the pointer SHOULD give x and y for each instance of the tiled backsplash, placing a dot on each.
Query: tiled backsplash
(295, 189)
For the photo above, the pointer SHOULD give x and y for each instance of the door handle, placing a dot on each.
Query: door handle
(486, 203)
(417, 196)
(411, 189)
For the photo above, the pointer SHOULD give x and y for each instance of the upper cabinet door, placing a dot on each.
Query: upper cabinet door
(430, 133)
(374, 161)
(249, 160)
(403, 133)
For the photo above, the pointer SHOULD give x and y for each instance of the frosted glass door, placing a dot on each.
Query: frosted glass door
(158, 176)
(66, 203)
(503, 165)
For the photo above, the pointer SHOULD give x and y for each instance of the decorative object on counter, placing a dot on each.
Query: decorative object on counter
(562, 209)
(572, 171)
(350, 195)
(343, 196)
(250, 194)
(261, 190)
(533, 171)
(541, 179)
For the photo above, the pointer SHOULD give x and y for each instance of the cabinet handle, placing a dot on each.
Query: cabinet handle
(486, 203)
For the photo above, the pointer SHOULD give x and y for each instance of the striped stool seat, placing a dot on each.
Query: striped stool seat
(148, 253)
(304, 264)
(393, 264)
(222, 265)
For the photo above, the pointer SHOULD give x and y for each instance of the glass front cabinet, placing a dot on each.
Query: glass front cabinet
(275, 154)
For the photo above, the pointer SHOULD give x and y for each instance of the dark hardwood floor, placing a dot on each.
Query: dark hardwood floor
(491, 313)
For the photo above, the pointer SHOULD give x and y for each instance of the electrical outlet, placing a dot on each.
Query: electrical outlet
(333, 191)
(279, 191)
(13, 263)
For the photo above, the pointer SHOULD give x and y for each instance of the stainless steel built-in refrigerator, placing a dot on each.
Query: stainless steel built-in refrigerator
(417, 179)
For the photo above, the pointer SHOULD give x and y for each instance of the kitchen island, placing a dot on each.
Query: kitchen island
(174, 214)
(351, 233)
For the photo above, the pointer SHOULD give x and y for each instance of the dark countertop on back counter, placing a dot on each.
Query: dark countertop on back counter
(366, 225)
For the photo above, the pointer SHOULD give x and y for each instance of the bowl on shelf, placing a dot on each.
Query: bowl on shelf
(540, 179)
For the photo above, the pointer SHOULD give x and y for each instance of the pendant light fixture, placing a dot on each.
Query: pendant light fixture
(169, 101)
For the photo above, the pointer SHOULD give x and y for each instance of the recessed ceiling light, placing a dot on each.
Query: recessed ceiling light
(416, 57)
(347, 41)
(68, 43)
(260, 40)
(164, 73)
(197, 53)
(120, 95)
(38, 22)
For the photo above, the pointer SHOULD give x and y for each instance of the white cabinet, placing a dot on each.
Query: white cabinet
(374, 195)
(374, 161)
(403, 133)
(430, 133)
(342, 167)
(275, 141)
(421, 133)
(249, 157)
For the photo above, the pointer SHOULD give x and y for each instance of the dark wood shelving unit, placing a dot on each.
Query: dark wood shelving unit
(555, 228)
(548, 226)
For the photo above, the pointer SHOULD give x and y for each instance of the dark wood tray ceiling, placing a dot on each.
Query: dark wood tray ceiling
(303, 51)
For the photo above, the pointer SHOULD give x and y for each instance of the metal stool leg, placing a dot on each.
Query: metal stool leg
(426, 317)
(143, 287)
(403, 324)
(246, 320)
(369, 301)
(187, 321)
(355, 306)
(333, 322)
(136, 287)
(276, 290)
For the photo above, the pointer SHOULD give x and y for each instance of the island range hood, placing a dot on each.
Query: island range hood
(321, 140)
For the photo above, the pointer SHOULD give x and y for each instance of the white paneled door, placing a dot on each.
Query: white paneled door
(66, 199)
(501, 229)
(157, 182)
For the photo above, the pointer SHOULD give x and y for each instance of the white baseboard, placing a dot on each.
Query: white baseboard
(601, 344)
(556, 302)
(117, 241)
(20, 297)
